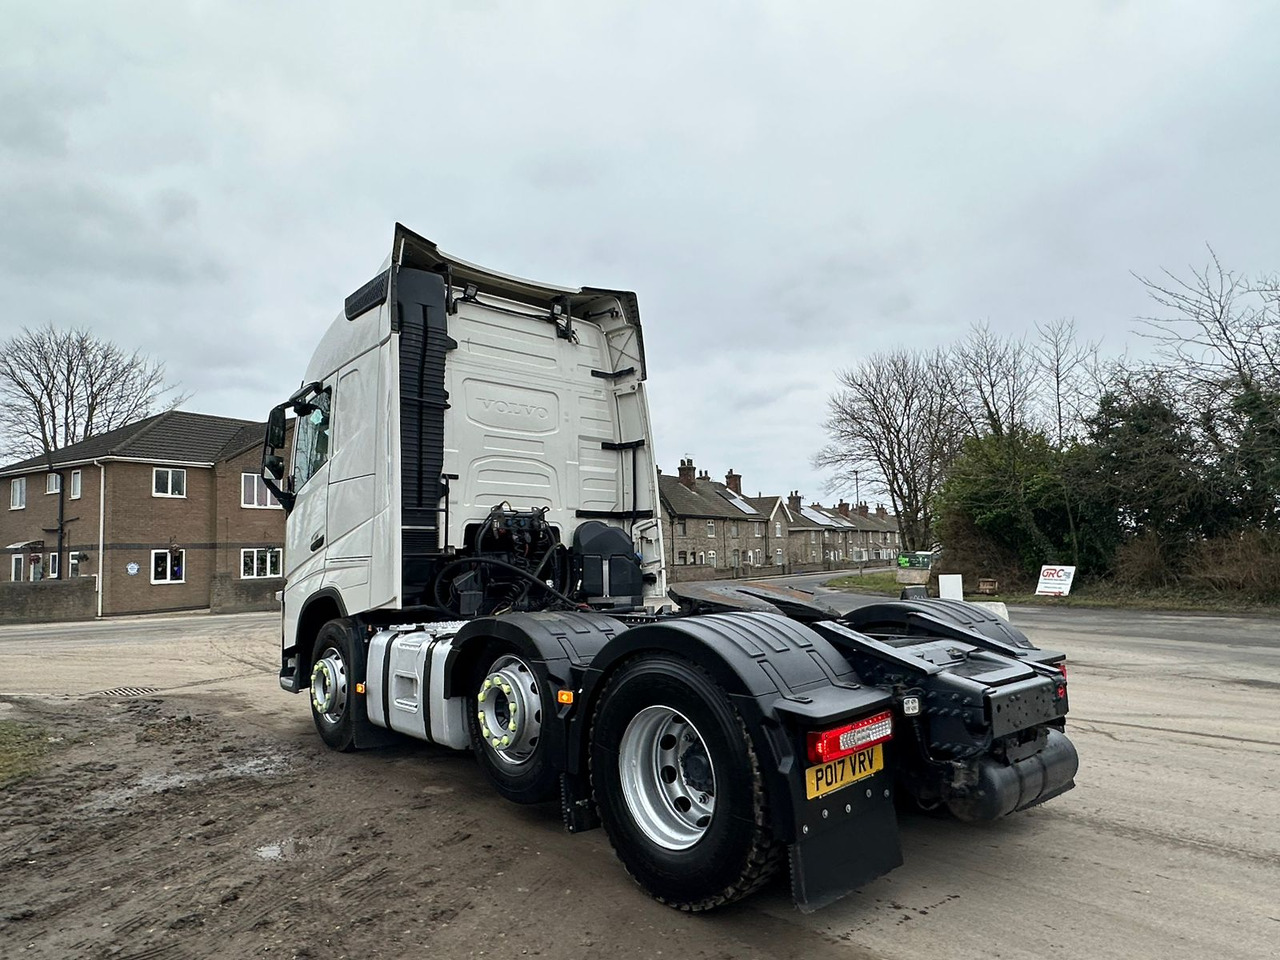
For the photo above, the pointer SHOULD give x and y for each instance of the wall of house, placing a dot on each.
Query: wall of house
(230, 593)
(39, 518)
(48, 601)
(138, 523)
(696, 540)
(240, 527)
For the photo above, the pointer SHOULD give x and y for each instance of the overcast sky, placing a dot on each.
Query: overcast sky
(787, 186)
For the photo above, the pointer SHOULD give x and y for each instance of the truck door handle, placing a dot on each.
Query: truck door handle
(317, 541)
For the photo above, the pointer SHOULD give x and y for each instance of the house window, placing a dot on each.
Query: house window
(759, 529)
(777, 528)
(733, 529)
(680, 529)
(15, 568)
(52, 482)
(54, 565)
(702, 557)
(681, 558)
(813, 537)
(256, 564)
(711, 558)
(75, 484)
(777, 557)
(168, 483)
(73, 564)
(168, 566)
(826, 534)
(813, 555)
(254, 493)
(18, 494)
(37, 568)
(711, 528)
(737, 558)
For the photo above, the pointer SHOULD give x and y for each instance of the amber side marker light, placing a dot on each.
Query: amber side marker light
(564, 696)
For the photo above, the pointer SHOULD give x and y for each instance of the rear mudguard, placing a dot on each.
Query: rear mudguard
(784, 680)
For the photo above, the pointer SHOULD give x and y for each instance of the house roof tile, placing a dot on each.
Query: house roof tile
(169, 437)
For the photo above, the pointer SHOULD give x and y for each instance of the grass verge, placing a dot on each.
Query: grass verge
(22, 746)
(1108, 596)
(1096, 595)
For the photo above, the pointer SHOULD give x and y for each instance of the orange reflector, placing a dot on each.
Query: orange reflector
(564, 696)
(359, 688)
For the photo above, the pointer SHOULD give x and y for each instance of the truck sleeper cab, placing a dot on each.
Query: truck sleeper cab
(474, 558)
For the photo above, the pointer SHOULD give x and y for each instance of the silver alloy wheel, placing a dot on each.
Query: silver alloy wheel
(329, 686)
(668, 779)
(509, 709)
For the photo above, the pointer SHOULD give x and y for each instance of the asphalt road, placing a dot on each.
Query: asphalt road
(1168, 848)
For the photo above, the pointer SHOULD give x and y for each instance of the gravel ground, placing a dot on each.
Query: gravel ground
(197, 814)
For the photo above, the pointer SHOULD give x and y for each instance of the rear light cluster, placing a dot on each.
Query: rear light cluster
(827, 745)
(1062, 687)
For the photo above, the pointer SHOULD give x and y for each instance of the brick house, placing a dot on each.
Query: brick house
(709, 525)
(777, 530)
(800, 535)
(854, 533)
(168, 513)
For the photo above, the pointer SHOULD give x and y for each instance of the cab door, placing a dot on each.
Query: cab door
(306, 533)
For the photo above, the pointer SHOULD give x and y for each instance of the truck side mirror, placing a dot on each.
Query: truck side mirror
(274, 466)
(276, 431)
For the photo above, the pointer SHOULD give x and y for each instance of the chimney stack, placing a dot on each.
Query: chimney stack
(842, 508)
(733, 481)
(687, 472)
(881, 512)
(793, 500)
(862, 509)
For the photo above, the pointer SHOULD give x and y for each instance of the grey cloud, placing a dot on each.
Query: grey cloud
(788, 188)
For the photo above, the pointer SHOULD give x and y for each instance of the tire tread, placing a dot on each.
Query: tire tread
(765, 855)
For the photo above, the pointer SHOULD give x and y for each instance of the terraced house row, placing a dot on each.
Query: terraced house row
(712, 529)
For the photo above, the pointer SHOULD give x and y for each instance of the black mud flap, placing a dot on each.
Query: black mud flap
(833, 862)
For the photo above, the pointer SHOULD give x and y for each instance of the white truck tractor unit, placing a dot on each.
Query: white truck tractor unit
(474, 558)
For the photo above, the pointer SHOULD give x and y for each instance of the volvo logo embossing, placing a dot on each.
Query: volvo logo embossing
(517, 409)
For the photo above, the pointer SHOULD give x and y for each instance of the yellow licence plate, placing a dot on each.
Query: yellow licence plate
(829, 777)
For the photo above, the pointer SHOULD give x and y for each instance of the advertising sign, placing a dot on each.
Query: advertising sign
(1055, 581)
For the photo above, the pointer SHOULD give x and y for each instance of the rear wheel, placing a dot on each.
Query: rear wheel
(678, 785)
(333, 685)
(505, 717)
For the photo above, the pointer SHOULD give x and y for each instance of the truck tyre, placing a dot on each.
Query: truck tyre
(508, 703)
(333, 684)
(678, 785)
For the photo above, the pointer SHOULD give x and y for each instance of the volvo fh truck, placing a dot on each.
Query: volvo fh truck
(474, 558)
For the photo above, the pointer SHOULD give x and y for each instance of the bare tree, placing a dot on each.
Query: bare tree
(894, 420)
(995, 379)
(1070, 371)
(1218, 326)
(60, 386)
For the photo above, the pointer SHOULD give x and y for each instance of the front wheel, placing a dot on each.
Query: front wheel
(333, 685)
(678, 784)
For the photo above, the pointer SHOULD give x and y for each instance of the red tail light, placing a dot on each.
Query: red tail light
(1062, 669)
(841, 741)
